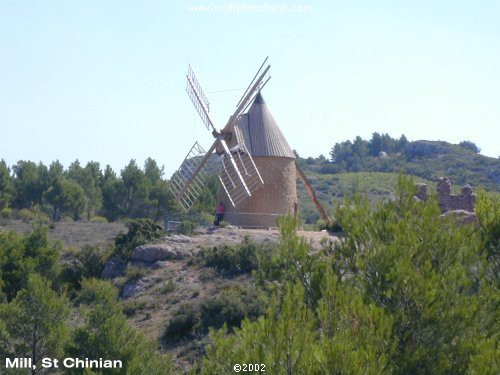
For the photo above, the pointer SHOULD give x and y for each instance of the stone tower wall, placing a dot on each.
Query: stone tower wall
(447, 201)
(276, 197)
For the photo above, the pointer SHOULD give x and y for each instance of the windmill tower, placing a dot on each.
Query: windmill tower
(275, 161)
(257, 172)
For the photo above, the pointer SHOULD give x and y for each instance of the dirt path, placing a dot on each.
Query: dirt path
(215, 235)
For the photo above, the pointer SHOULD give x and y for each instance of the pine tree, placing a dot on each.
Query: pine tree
(36, 322)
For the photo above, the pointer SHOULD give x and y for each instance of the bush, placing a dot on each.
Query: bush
(131, 307)
(230, 260)
(24, 215)
(6, 213)
(183, 323)
(93, 259)
(97, 292)
(223, 309)
(134, 273)
(167, 287)
(98, 219)
(187, 227)
(140, 231)
(23, 255)
(89, 262)
(471, 146)
(333, 227)
(230, 307)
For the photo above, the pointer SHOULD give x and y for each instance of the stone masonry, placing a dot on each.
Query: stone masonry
(450, 202)
(461, 205)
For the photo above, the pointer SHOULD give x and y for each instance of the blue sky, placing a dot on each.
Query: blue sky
(105, 80)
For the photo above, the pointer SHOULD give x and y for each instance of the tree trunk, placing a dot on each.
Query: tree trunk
(33, 351)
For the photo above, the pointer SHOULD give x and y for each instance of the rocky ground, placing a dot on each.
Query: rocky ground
(169, 276)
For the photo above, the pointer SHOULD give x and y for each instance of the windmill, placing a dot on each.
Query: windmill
(238, 175)
(257, 171)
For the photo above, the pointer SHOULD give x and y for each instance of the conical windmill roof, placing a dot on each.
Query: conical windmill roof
(262, 136)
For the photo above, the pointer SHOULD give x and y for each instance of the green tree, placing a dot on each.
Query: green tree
(360, 147)
(152, 171)
(20, 256)
(112, 195)
(341, 152)
(6, 186)
(135, 189)
(375, 145)
(27, 184)
(356, 337)
(92, 187)
(56, 171)
(161, 199)
(89, 178)
(471, 146)
(65, 196)
(36, 322)
(417, 266)
(402, 142)
(107, 334)
(5, 339)
(283, 339)
(404, 291)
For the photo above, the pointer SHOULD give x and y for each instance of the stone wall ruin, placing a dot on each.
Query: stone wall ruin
(459, 205)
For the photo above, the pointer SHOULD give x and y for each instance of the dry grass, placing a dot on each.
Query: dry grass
(76, 233)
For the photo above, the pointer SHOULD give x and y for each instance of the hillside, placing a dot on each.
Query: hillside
(375, 176)
(332, 188)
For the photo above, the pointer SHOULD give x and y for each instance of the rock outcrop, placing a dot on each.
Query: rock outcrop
(114, 268)
(152, 253)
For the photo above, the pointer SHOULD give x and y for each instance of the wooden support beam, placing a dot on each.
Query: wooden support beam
(312, 194)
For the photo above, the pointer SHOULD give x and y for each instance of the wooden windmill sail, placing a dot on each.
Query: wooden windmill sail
(239, 176)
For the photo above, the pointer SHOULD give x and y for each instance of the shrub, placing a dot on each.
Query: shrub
(221, 310)
(471, 146)
(230, 306)
(22, 255)
(24, 215)
(167, 287)
(6, 213)
(333, 227)
(183, 323)
(140, 231)
(96, 292)
(187, 227)
(130, 307)
(93, 259)
(89, 262)
(98, 219)
(134, 273)
(230, 260)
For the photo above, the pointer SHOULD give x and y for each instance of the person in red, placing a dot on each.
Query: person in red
(219, 213)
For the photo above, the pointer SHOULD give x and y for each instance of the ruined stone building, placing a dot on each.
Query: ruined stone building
(460, 205)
